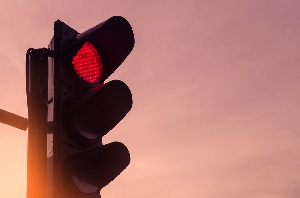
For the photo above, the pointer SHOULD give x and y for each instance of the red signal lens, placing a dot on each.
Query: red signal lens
(88, 63)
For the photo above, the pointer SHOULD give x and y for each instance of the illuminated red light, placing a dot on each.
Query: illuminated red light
(88, 63)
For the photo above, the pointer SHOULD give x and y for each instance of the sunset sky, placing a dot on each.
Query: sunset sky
(216, 91)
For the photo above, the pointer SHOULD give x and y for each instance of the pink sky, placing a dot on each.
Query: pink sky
(215, 85)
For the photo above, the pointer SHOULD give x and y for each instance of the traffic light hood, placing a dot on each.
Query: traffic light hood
(113, 39)
(96, 115)
(98, 166)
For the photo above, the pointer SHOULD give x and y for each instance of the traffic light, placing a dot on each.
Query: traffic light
(83, 108)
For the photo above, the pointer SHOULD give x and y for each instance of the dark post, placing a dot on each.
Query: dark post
(37, 63)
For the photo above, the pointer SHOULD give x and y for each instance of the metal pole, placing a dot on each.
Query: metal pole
(36, 86)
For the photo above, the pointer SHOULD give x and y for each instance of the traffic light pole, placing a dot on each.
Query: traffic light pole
(36, 87)
(13, 120)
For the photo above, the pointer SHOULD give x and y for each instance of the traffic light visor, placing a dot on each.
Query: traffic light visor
(113, 39)
(98, 114)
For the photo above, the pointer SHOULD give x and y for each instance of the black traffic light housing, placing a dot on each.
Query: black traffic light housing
(83, 111)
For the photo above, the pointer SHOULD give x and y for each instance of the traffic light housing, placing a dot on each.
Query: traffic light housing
(83, 108)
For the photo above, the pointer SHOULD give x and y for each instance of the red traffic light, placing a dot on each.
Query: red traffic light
(85, 109)
(113, 39)
(88, 63)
